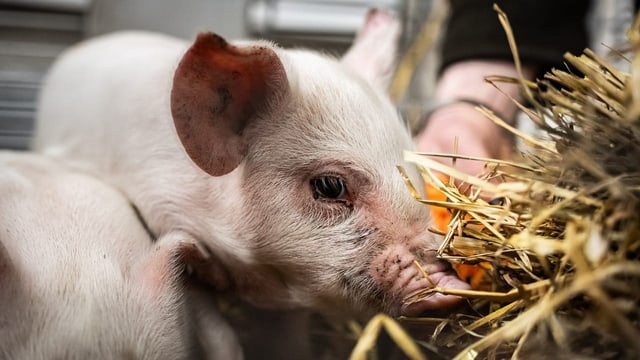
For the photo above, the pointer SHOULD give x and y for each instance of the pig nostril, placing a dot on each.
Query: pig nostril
(499, 201)
(419, 252)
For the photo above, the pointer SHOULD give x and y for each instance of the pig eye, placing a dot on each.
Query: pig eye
(329, 187)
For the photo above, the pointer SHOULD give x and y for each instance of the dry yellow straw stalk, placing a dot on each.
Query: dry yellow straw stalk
(561, 240)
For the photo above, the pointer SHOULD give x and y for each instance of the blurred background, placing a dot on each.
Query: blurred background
(34, 32)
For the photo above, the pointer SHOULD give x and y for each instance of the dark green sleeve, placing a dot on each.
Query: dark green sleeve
(544, 30)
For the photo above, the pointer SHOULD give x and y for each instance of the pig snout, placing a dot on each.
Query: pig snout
(402, 271)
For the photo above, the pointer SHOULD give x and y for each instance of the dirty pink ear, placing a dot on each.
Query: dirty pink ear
(218, 90)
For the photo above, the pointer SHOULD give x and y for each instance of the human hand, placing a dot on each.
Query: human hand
(477, 135)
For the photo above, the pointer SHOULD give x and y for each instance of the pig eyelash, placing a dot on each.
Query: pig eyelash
(330, 187)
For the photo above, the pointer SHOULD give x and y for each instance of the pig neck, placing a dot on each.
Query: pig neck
(181, 197)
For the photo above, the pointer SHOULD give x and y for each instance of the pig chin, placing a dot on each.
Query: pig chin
(397, 272)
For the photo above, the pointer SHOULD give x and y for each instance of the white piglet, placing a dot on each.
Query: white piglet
(82, 279)
(280, 163)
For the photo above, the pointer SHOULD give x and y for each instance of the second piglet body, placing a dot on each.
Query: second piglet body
(289, 177)
(82, 279)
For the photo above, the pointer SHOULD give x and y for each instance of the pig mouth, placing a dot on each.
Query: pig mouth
(422, 299)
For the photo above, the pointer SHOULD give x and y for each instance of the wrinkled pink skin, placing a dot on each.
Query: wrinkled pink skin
(258, 124)
(397, 267)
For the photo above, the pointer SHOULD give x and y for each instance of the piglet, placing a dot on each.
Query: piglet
(280, 163)
(81, 278)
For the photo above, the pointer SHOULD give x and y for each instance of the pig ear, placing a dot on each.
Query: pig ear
(173, 254)
(375, 48)
(218, 90)
(157, 271)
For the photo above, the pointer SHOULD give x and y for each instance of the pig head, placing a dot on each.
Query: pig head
(280, 163)
(81, 279)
